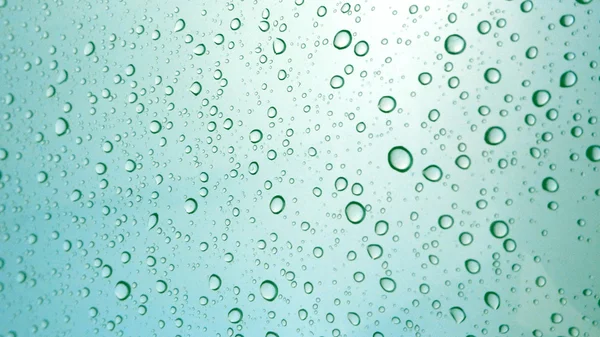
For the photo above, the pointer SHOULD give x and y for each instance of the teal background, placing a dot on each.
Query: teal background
(61, 256)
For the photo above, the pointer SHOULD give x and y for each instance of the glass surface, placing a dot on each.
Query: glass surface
(299, 168)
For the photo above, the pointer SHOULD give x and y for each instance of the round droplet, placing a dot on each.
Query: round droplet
(433, 173)
(463, 161)
(61, 126)
(235, 315)
(341, 184)
(593, 153)
(387, 284)
(255, 136)
(400, 159)
(484, 27)
(152, 220)
(492, 300)
(190, 205)
(495, 135)
(130, 165)
(214, 282)
(122, 290)
(375, 251)
(445, 221)
(492, 75)
(355, 212)
(381, 227)
(196, 88)
(465, 238)
(458, 314)
(472, 266)
(387, 104)
(269, 290)
(425, 78)
(161, 286)
(361, 48)
(342, 39)
(550, 184)
(499, 229)
(277, 204)
(336, 82)
(541, 98)
(455, 44)
(568, 79)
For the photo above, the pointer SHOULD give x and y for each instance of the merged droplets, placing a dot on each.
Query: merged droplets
(342, 39)
(400, 159)
(494, 135)
(269, 290)
(455, 44)
(355, 212)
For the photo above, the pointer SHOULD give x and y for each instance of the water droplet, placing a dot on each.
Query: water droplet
(593, 153)
(458, 314)
(353, 318)
(355, 212)
(89, 48)
(161, 286)
(361, 48)
(387, 284)
(386, 104)
(375, 251)
(277, 204)
(433, 173)
(492, 300)
(495, 135)
(122, 290)
(472, 266)
(541, 98)
(568, 79)
(179, 25)
(279, 46)
(400, 159)
(268, 290)
(549, 184)
(499, 229)
(425, 78)
(190, 205)
(567, 20)
(235, 315)
(200, 49)
(455, 44)
(445, 221)
(492, 75)
(61, 126)
(196, 88)
(336, 82)
(342, 39)
(381, 227)
(152, 221)
(214, 282)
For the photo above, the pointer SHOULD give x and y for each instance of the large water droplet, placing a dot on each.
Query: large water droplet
(214, 282)
(355, 212)
(541, 98)
(279, 46)
(400, 159)
(455, 44)
(492, 300)
(61, 126)
(268, 290)
(458, 314)
(568, 79)
(387, 104)
(235, 315)
(550, 184)
(375, 251)
(433, 173)
(190, 205)
(593, 153)
(277, 204)
(122, 290)
(152, 221)
(387, 284)
(353, 318)
(495, 135)
(342, 39)
(89, 48)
